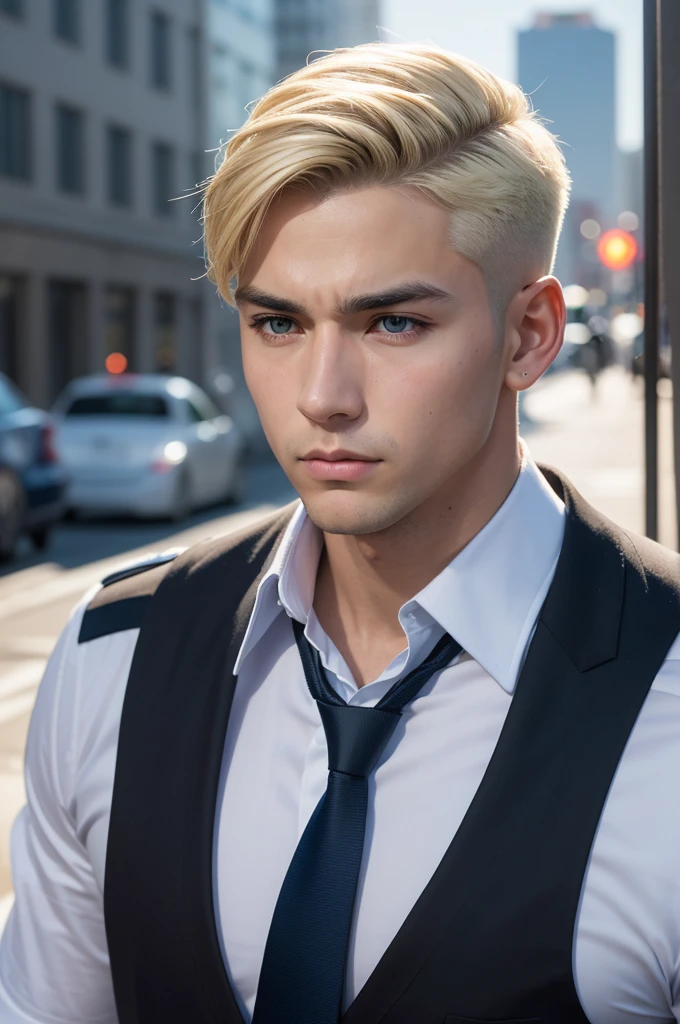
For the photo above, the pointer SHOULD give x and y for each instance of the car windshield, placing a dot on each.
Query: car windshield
(10, 401)
(121, 403)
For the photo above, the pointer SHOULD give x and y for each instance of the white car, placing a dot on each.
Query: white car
(145, 445)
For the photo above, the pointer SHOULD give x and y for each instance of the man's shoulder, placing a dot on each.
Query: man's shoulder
(653, 580)
(653, 562)
(124, 595)
(653, 559)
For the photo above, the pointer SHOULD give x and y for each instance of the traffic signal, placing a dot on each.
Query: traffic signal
(617, 249)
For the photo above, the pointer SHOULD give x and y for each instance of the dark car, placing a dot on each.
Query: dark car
(32, 480)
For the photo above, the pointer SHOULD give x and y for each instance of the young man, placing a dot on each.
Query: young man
(408, 752)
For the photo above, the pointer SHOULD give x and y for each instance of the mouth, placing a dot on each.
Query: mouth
(338, 464)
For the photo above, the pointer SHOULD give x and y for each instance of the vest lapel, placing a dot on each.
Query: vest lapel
(198, 849)
(198, 845)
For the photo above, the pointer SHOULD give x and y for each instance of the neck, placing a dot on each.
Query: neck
(363, 581)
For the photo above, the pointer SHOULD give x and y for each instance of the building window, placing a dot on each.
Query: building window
(119, 324)
(70, 149)
(15, 133)
(163, 179)
(245, 88)
(160, 50)
(67, 306)
(66, 16)
(15, 7)
(117, 33)
(194, 66)
(196, 168)
(119, 165)
(12, 295)
(165, 329)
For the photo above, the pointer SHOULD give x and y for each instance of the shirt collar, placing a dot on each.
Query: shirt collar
(488, 597)
(288, 583)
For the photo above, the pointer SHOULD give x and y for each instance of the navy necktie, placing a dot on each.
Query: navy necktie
(303, 970)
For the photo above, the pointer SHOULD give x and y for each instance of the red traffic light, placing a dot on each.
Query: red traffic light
(616, 249)
(116, 363)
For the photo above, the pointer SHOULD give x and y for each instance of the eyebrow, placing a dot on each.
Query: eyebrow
(408, 292)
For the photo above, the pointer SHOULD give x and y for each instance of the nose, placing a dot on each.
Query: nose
(331, 388)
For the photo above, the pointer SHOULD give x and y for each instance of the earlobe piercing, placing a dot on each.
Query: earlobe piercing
(526, 373)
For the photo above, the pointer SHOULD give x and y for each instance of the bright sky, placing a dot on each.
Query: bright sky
(484, 30)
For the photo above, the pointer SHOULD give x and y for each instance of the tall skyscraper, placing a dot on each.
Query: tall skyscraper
(566, 65)
(303, 26)
(241, 66)
(241, 62)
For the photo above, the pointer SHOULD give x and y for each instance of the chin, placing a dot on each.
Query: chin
(353, 513)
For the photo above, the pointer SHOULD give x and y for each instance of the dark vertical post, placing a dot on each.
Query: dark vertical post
(669, 206)
(651, 350)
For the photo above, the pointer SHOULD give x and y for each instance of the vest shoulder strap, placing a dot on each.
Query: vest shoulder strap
(124, 595)
(123, 599)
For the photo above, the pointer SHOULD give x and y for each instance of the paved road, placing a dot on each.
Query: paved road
(596, 438)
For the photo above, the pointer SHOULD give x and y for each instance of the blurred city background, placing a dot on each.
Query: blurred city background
(125, 424)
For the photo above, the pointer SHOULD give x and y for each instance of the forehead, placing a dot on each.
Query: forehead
(353, 242)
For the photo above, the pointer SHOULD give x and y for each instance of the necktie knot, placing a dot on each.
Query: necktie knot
(356, 736)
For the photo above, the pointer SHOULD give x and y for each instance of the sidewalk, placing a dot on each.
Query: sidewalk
(597, 440)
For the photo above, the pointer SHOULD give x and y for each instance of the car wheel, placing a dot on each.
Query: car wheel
(181, 506)
(12, 510)
(41, 537)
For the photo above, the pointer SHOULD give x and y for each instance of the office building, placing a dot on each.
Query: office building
(101, 128)
(566, 64)
(631, 182)
(240, 68)
(304, 26)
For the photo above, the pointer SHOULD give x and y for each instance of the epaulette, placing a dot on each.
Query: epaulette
(149, 561)
(117, 608)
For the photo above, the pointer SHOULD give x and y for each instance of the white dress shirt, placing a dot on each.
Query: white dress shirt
(53, 957)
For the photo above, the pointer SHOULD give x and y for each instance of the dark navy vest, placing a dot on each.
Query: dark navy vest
(491, 936)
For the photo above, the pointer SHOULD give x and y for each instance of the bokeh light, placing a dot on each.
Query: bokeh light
(625, 326)
(116, 363)
(577, 334)
(628, 221)
(575, 296)
(590, 229)
(617, 249)
(597, 297)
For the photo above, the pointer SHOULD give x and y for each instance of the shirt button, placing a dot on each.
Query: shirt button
(279, 603)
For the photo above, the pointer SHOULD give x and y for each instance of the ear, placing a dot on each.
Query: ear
(534, 331)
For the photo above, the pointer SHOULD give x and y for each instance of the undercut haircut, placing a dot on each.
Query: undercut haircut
(399, 115)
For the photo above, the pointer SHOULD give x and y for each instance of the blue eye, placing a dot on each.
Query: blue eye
(396, 324)
(279, 324)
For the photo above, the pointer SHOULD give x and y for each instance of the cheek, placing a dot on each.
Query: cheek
(437, 398)
(267, 382)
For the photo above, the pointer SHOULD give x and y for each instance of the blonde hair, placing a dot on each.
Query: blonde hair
(398, 114)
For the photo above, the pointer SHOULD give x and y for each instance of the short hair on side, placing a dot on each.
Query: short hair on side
(399, 114)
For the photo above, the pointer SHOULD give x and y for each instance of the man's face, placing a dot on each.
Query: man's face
(370, 352)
